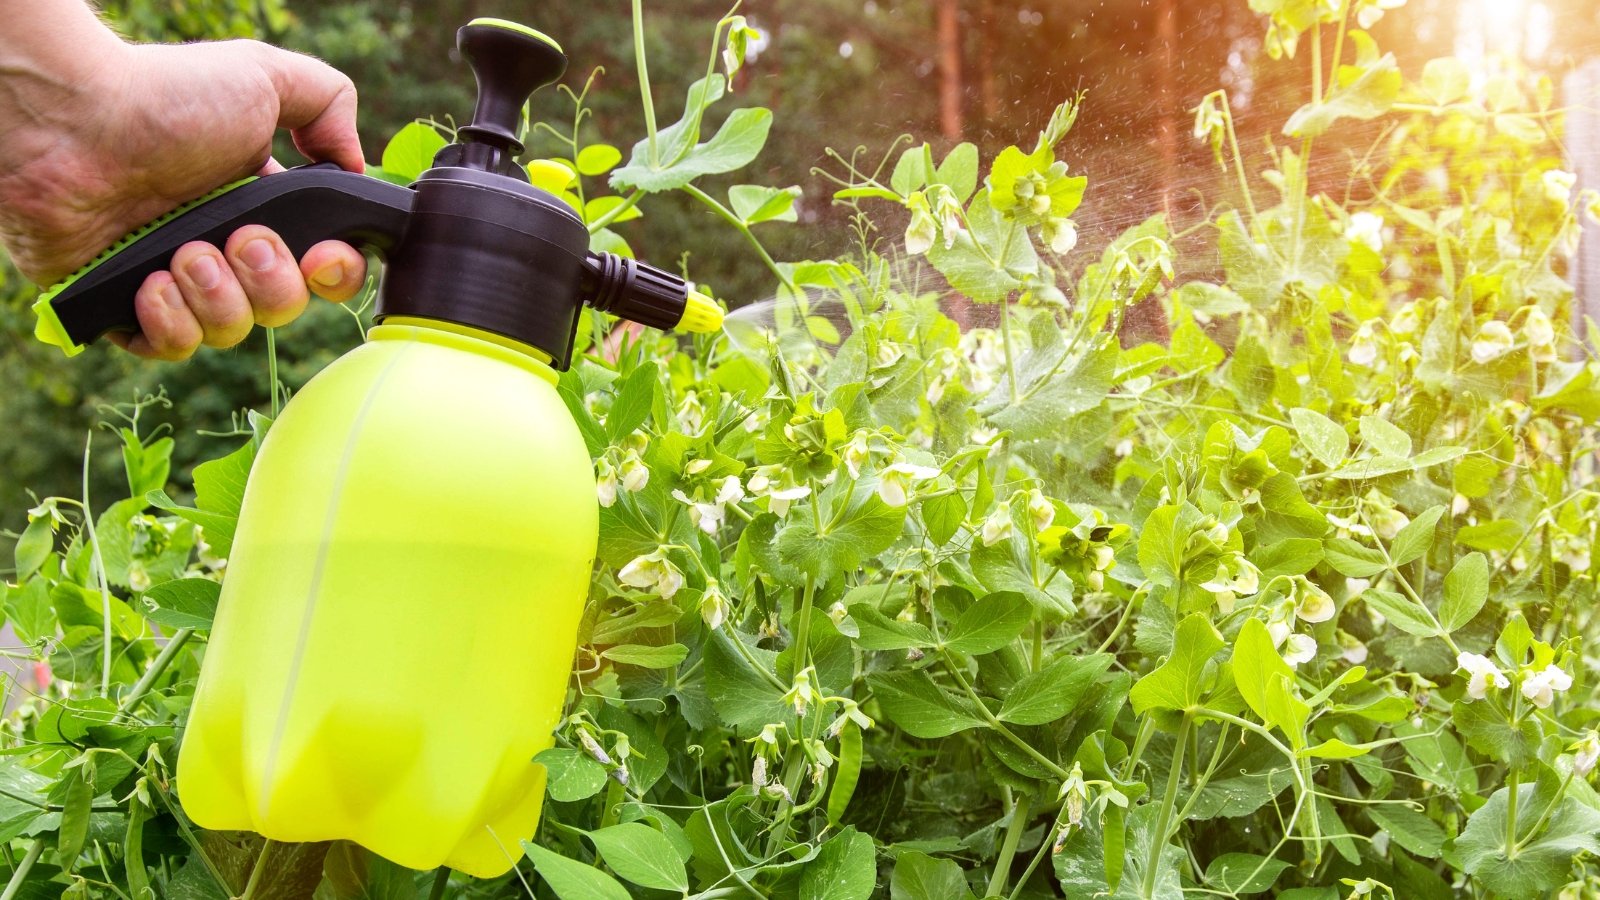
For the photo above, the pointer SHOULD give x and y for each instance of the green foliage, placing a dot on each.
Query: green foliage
(1291, 601)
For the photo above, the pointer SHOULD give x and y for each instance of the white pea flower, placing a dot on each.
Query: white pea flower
(894, 485)
(1314, 605)
(1460, 505)
(653, 572)
(707, 517)
(696, 466)
(605, 482)
(1372, 10)
(635, 474)
(801, 695)
(758, 771)
(922, 230)
(780, 499)
(730, 490)
(1061, 234)
(1366, 228)
(1542, 686)
(1406, 319)
(713, 606)
(856, 454)
(1363, 347)
(1351, 650)
(1537, 328)
(1279, 630)
(1236, 577)
(138, 577)
(1493, 341)
(1387, 522)
(1557, 185)
(997, 527)
(1076, 794)
(1300, 648)
(1042, 510)
(1482, 674)
(888, 354)
(1586, 753)
(1124, 448)
(948, 210)
(691, 413)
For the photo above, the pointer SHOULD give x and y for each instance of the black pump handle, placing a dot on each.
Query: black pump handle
(303, 205)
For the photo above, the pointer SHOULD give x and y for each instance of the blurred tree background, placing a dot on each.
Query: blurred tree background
(837, 73)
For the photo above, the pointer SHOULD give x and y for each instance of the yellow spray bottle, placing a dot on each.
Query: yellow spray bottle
(399, 615)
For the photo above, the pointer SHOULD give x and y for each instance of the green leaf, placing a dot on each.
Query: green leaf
(1258, 672)
(1052, 692)
(1244, 873)
(642, 855)
(1384, 438)
(1354, 560)
(30, 611)
(1162, 541)
(868, 529)
(754, 204)
(918, 876)
(1445, 80)
(1466, 588)
(1337, 749)
(846, 868)
(743, 696)
(573, 880)
(598, 159)
(218, 528)
(647, 656)
(1414, 540)
(959, 171)
(1359, 92)
(991, 623)
(1178, 683)
(182, 603)
(1401, 612)
(634, 399)
(219, 483)
(879, 632)
(597, 208)
(1379, 466)
(1409, 828)
(734, 145)
(1290, 556)
(943, 515)
(1484, 725)
(910, 170)
(1541, 863)
(570, 775)
(410, 152)
(913, 701)
(33, 547)
(1321, 435)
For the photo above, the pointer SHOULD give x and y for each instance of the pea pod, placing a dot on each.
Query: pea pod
(849, 772)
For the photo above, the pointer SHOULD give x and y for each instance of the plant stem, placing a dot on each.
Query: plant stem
(994, 722)
(441, 879)
(256, 870)
(100, 573)
(728, 216)
(21, 874)
(645, 96)
(1008, 849)
(1164, 819)
(146, 681)
(272, 368)
(1011, 357)
(802, 628)
(1238, 163)
(611, 215)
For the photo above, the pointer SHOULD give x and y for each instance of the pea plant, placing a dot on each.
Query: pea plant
(928, 580)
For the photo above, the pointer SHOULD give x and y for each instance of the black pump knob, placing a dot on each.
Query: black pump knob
(510, 61)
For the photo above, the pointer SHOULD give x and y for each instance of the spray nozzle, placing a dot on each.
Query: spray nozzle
(645, 294)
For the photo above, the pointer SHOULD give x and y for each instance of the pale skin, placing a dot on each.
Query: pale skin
(99, 136)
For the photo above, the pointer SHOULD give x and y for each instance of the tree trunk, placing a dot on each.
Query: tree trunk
(1167, 101)
(950, 86)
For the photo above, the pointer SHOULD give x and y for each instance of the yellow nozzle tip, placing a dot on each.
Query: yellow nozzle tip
(49, 330)
(701, 315)
(518, 27)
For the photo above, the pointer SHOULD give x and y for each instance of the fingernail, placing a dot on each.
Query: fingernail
(205, 273)
(258, 255)
(172, 297)
(328, 276)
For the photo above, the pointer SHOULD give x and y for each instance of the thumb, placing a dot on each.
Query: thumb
(317, 103)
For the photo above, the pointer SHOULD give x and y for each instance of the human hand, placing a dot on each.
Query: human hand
(149, 127)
